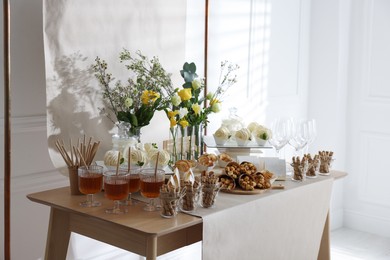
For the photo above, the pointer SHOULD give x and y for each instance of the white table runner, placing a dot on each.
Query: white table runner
(278, 224)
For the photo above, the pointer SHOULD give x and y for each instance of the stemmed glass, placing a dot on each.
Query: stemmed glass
(281, 133)
(90, 183)
(311, 132)
(116, 188)
(134, 184)
(300, 135)
(151, 181)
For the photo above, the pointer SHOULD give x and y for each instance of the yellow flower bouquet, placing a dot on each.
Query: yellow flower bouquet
(147, 90)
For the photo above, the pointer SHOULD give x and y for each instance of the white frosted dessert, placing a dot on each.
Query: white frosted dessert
(253, 126)
(222, 135)
(111, 158)
(243, 136)
(137, 157)
(262, 135)
(163, 157)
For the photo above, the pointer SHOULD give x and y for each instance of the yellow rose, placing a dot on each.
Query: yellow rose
(172, 121)
(184, 123)
(149, 97)
(185, 94)
(196, 108)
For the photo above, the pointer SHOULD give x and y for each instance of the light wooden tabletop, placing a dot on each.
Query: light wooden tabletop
(136, 219)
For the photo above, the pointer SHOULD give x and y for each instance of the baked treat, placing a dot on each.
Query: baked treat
(232, 169)
(247, 168)
(247, 182)
(183, 165)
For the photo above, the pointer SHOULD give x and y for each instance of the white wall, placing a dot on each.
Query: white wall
(328, 86)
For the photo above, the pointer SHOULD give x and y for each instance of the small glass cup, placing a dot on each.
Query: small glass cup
(90, 183)
(189, 201)
(209, 194)
(169, 203)
(151, 182)
(134, 185)
(116, 188)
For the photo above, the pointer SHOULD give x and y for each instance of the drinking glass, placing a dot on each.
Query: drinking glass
(281, 133)
(134, 184)
(151, 181)
(300, 136)
(311, 132)
(116, 188)
(90, 183)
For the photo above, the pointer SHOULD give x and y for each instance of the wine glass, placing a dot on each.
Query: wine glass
(90, 183)
(116, 188)
(151, 180)
(311, 132)
(281, 129)
(300, 135)
(134, 184)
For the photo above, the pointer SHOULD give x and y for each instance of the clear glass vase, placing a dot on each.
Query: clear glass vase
(195, 141)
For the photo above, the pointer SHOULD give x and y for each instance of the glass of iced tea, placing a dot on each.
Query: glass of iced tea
(90, 183)
(116, 188)
(134, 184)
(151, 182)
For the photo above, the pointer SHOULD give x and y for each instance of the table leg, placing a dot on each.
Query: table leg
(58, 235)
(324, 252)
(151, 248)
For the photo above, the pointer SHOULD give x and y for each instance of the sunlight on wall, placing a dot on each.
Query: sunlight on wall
(240, 33)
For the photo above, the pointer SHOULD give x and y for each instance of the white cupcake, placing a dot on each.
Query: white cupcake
(243, 136)
(222, 135)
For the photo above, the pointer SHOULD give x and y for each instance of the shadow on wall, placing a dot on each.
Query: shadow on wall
(73, 102)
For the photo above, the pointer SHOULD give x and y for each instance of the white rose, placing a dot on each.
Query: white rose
(216, 107)
(176, 100)
(196, 84)
(183, 112)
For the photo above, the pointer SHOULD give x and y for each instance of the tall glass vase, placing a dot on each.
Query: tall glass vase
(182, 142)
(198, 141)
(174, 144)
(195, 141)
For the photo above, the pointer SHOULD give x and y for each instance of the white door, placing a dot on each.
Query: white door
(367, 193)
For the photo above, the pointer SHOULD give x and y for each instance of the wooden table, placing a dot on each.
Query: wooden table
(138, 231)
